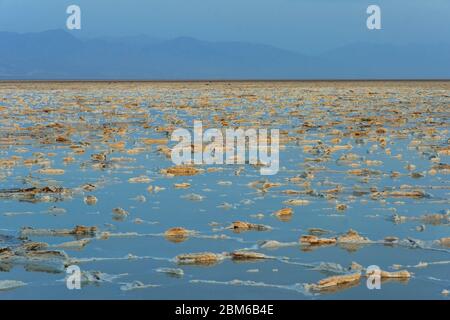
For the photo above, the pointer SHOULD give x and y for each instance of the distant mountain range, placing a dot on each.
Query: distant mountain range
(58, 55)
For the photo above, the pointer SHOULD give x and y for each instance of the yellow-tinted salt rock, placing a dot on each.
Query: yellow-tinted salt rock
(98, 157)
(402, 274)
(352, 237)
(120, 212)
(177, 234)
(268, 185)
(445, 242)
(62, 139)
(296, 202)
(339, 148)
(285, 212)
(90, 200)
(183, 185)
(154, 141)
(247, 255)
(118, 145)
(239, 226)
(50, 171)
(405, 194)
(7, 163)
(336, 283)
(203, 258)
(292, 192)
(68, 159)
(140, 179)
(136, 150)
(444, 151)
(83, 230)
(316, 241)
(181, 171)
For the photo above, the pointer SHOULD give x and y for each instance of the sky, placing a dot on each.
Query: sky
(308, 26)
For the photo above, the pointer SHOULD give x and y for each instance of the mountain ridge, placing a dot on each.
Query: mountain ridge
(59, 55)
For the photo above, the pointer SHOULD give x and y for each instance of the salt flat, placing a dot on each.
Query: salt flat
(86, 179)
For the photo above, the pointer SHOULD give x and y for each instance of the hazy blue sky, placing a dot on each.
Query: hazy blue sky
(302, 25)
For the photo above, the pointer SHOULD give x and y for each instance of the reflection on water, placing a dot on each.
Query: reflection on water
(86, 179)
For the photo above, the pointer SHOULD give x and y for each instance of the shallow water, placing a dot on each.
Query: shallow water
(385, 127)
